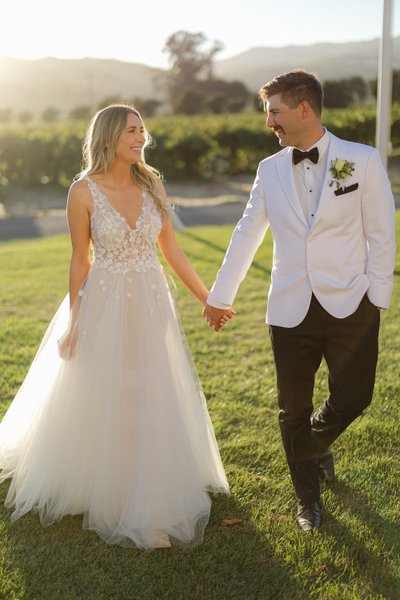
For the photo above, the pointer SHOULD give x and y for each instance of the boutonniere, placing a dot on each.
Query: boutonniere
(340, 170)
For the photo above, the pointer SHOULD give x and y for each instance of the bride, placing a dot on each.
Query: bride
(111, 421)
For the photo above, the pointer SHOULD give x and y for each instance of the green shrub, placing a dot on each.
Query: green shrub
(199, 147)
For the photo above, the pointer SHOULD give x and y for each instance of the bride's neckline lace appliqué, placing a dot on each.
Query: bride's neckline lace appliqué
(116, 211)
(117, 247)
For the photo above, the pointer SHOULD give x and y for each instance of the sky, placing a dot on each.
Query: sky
(135, 31)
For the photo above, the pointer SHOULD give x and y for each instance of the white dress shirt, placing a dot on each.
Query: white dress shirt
(309, 178)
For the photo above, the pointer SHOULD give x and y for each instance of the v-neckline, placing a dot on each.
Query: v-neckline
(117, 212)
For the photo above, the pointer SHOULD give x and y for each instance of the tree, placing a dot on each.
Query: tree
(373, 84)
(337, 93)
(212, 96)
(189, 61)
(147, 106)
(80, 113)
(25, 116)
(6, 115)
(359, 88)
(50, 114)
(111, 100)
(341, 93)
(191, 58)
(225, 96)
(191, 84)
(190, 102)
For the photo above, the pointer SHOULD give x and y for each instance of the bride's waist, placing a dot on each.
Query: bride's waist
(124, 266)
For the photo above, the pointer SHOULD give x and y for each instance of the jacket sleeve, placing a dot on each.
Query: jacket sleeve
(379, 221)
(245, 240)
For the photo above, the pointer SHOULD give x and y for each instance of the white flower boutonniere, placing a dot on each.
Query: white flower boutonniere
(340, 170)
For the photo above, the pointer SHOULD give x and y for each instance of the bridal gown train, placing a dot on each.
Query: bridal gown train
(120, 432)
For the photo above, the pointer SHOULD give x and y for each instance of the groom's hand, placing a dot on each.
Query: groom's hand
(217, 317)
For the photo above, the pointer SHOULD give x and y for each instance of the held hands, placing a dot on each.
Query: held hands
(217, 318)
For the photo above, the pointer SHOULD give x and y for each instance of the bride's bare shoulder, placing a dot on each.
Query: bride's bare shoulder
(79, 194)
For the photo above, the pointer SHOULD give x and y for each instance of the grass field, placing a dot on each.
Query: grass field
(355, 555)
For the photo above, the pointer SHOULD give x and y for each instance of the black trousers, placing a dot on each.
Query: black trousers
(350, 349)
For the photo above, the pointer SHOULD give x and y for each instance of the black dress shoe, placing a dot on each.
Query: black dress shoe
(309, 516)
(326, 467)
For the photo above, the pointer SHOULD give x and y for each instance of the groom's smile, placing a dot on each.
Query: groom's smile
(282, 120)
(278, 131)
(291, 124)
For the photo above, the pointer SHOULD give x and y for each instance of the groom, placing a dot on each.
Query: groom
(331, 212)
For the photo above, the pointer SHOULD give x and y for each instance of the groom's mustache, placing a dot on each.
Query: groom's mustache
(277, 129)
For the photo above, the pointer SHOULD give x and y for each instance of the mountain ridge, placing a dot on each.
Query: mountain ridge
(33, 85)
(328, 60)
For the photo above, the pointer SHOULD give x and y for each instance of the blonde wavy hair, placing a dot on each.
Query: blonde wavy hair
(99, 150)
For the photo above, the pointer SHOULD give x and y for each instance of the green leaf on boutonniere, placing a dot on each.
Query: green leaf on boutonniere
(340, 169)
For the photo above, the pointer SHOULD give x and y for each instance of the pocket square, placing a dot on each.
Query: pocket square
(340, 191)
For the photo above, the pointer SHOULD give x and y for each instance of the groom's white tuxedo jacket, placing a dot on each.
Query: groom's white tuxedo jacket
(349, 249)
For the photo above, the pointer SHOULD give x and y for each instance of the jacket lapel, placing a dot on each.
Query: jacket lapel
(336, 150)
(285, 175)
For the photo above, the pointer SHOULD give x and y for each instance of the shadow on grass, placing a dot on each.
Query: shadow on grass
(233, 563)
(222, 249)
(22, 228)
(373, 566)
(65, 562)
(19, 228)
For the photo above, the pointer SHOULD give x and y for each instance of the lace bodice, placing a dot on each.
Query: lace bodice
(116, 246)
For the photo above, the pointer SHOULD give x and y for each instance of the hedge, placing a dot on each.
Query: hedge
(201, 147)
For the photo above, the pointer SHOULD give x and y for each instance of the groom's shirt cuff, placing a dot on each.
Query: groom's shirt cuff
(216, 304)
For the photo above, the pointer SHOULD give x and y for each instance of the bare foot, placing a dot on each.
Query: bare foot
(161, 539)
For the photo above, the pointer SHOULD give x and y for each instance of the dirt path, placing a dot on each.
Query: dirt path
(41, 212)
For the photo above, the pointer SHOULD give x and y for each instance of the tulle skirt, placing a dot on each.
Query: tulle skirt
(120, 432)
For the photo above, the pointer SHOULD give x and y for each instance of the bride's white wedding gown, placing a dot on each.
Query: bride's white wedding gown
(120, 432)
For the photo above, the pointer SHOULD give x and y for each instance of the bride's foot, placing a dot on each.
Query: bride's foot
(161, 539)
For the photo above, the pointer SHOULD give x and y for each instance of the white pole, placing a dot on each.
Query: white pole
(385, 74)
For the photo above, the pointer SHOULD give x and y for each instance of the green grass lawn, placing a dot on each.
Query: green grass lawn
(355, 555)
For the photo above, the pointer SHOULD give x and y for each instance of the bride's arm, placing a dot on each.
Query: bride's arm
(180, 264)
(175, 256)
(78, 216)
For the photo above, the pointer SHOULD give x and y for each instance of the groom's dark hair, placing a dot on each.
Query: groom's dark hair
(295, 87)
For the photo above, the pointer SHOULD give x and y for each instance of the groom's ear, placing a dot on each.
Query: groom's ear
(304, 109)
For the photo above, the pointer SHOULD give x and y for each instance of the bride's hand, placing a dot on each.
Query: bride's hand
(217, 317)
(226, 317)
(67, 344)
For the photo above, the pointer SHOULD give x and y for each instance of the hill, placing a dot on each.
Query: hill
(329, 61)
(66, 83)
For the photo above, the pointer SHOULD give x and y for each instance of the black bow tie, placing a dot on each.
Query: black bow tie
(298, 155)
